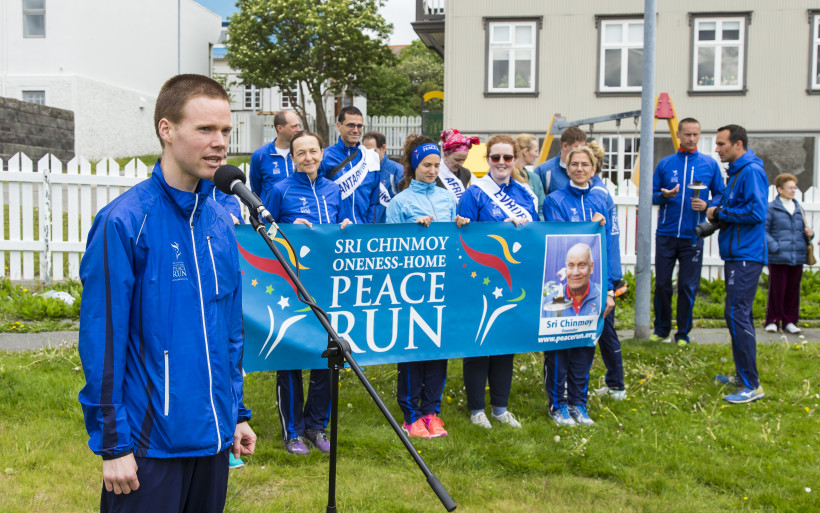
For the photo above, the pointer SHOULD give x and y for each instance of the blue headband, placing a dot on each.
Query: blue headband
(421, 152)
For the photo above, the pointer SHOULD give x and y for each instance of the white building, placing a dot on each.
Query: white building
(105, 60)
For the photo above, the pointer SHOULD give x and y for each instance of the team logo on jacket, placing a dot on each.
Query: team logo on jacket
(674, 176)
(305, 209)
(177, 267)
(275, 169)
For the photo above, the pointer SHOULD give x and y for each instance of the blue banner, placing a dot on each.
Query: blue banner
(404, 292)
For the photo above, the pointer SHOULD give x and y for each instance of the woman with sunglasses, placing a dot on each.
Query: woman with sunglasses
(495, 198)
(421, 384)
(567, 370)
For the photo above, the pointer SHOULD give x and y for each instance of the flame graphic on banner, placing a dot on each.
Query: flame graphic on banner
(268, 265)
(488, 260)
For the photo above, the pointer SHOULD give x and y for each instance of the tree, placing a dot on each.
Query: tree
(318, 47)
(395, 88)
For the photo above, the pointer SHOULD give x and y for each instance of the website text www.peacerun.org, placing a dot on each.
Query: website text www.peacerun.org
(563, 338)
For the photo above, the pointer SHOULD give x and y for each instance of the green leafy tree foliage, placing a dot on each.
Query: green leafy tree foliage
(396, 87)
(318, 47)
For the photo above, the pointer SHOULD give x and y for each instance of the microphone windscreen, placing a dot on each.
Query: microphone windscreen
(226, 175)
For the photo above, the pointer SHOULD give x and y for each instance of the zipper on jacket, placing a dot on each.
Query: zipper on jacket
(683, 198)
(583, 208)
(213, 264)
(427, 195)
(327, 213)
(167, 386)
(205, 331)
(318, 206)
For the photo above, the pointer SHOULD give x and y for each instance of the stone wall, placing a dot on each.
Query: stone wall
(35, 130)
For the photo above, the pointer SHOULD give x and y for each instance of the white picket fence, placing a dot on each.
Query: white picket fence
(41, 199)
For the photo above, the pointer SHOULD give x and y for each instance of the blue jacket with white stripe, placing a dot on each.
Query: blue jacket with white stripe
(362, 202)
(319, 202)
(161, 324)
(268, 168)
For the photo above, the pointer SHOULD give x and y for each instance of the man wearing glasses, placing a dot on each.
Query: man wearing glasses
(354, 168)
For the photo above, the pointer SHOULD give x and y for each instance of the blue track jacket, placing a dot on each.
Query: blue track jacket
(161, 324)
(318, 202)
(362, 202)
(267, 168)
(743, 206)
(475, 205)
(575, 205)
(419, 200)
(675, 215)
(552, 174)
(614, 255)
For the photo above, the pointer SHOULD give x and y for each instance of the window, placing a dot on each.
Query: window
(289, 99)
(253, 100)
(719, 54)
(512, 55)
(38, 97)
(621, 157)
(621, 55)
(814, 68)
(34, 18)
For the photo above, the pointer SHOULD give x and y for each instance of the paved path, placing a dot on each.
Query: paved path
(31, 341)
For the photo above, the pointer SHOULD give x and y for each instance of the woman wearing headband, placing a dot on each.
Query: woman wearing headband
(421, 384)
(495, 197)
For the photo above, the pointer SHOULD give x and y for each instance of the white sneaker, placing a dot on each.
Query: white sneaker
(771, 327)
(791, 328)
(480, 419)
(616, 395)
(507, 418)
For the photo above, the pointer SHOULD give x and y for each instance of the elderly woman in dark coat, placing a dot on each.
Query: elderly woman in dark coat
(786, 234)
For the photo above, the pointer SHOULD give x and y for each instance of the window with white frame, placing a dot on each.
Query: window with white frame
(814, 82)
(512, 53)
(253, 100)
(34, 18)
(621, 157)
(621, 55)
(290, 99)
(38, 97)
(718, 53)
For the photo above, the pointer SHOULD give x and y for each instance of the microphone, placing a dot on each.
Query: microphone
(231, 180)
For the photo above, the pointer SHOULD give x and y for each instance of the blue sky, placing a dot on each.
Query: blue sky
(398, 12)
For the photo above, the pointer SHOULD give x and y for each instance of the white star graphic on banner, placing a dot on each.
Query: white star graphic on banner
(497, 293)
(283, 302)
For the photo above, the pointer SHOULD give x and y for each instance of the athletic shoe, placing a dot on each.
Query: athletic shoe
(417, 429)
(771, 327)
(746, 395)
(296, 446)
(720, 379)
(791, 328)
(579, 415)
(435, 426)
(561, 416)
(657, 338)
(318, 438)
(682, 342)
(507, 418)
(480, 419)
(234, 462)
(613, 393)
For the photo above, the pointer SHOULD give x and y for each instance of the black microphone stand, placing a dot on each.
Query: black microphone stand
(337, 352)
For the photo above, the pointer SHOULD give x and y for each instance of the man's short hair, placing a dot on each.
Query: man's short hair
(350, 109)
(379, 137)
(573, 135)
(280, 118)
(177, 91)
(736, 133)
(687, 120)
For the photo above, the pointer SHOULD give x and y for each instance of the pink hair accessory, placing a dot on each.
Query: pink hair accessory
(454, 141)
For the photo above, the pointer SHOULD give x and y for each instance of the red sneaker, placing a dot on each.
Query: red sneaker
(417, 428)
(435, 426)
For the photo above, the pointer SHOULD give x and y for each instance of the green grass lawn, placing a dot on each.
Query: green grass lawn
(674, 446)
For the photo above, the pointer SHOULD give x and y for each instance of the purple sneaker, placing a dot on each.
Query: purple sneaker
(296, 446)
(319, 439)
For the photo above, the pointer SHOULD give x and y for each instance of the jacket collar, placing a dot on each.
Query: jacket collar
(305, 179)
(273, 150)
(345, 148)
(747, 158)
(577, 191)
(419, 186)
(185, 202)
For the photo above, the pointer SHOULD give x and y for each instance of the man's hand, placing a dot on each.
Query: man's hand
(120, 475)
(698, 204)
(244, 440)
(710, 213)
(305, 222)
(345, 222)
(610, 304)
(670, 193)
(517, 221)
(599, 218)
(461, 221)
(425, 220)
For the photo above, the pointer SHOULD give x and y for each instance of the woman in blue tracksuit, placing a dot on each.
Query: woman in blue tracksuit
(420, 384)
(305, 198)
(495, 197)
(569, 368)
